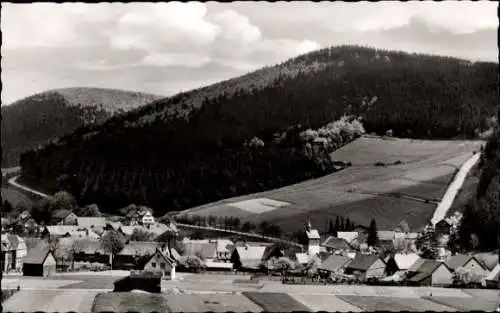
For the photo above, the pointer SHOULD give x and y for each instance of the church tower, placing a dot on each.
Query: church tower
(312, 239)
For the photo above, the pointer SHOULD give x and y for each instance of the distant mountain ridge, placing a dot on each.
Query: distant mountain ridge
(31, 122)
(189, 149)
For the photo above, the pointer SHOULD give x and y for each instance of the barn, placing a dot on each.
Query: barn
(39, 262)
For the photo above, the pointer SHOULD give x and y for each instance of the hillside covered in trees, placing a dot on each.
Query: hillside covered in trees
(481, 216)
(247, 134)
(32, 121)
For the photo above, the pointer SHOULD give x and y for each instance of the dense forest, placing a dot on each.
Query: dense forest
(481, 217)
(32, 121)
(193, 148)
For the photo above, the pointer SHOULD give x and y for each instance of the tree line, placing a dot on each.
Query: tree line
(176, 161)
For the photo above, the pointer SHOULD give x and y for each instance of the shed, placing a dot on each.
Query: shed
(401, 262)
(248, 257)
(149, 281)
(39, 261)
(442, 228)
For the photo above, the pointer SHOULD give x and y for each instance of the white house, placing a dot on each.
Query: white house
(160, 262)
(148, 219)
(13, 252)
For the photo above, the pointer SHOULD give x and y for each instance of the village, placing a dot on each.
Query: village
(140, 244)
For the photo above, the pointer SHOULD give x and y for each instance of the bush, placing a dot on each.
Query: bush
(7, 293)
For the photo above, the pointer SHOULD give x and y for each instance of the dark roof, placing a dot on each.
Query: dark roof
(458, 260)
(36, 255)
(166, 258)
(61, 214)
(140, 248)
(334, 263)
(443, 222)
(336, 243)
(269, 250)
(363, 262)
(426, 268)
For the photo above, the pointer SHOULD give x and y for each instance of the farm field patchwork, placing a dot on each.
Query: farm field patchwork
(276, 302)
(364, 190)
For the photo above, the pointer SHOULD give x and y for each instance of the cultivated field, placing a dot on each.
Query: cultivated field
(414, 177)
(128, 301)
(219, 293)
(59, 300)
(467, 304)
(211, 303)
(394, 304)
(276, 302)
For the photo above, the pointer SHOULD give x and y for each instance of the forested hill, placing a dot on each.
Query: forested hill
(187, 150)
(34, 120)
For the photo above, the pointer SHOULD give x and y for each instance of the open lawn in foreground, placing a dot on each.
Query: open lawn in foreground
(467, 304)
(211, 303)
(50, 301)
(328, 303)
(129, 301)
(276, 302)
(394, 304)
(364, 190)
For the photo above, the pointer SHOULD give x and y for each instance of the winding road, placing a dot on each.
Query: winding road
(13, 182)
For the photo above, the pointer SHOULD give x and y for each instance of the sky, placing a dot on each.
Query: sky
(165, 48)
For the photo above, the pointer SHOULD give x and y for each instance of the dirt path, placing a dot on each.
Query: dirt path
(454, 188)
(13, 182)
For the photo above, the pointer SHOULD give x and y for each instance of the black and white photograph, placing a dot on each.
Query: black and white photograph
(250, 156)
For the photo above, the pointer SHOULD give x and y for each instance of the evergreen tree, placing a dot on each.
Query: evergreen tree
(428, 243)
(342, 225)
(331, 229)
(337, 223)
(372, 239)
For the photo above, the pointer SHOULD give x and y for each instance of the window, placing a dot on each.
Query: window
(153, 265)
(162, 265)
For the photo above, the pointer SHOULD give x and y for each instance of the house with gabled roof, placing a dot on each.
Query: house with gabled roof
(488, 259)
(367, 266)
(493, 278)
(58, 230)
(468, 262)
(64, 217)
(334, 244)
(39, 261)
(400, 262)
(13, 251)
(430, 273)
(334, 264)
(161, 262)
(247, 257)
(348, 236)
(134, 253)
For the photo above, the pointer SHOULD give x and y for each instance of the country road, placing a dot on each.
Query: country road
(453, 189)
(13, 182)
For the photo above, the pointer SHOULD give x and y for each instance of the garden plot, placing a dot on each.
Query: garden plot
(276, 302)
(326, 303)
(467, 304)
(50, 301)
(129, 302)
(393, 304)
(211, 303)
